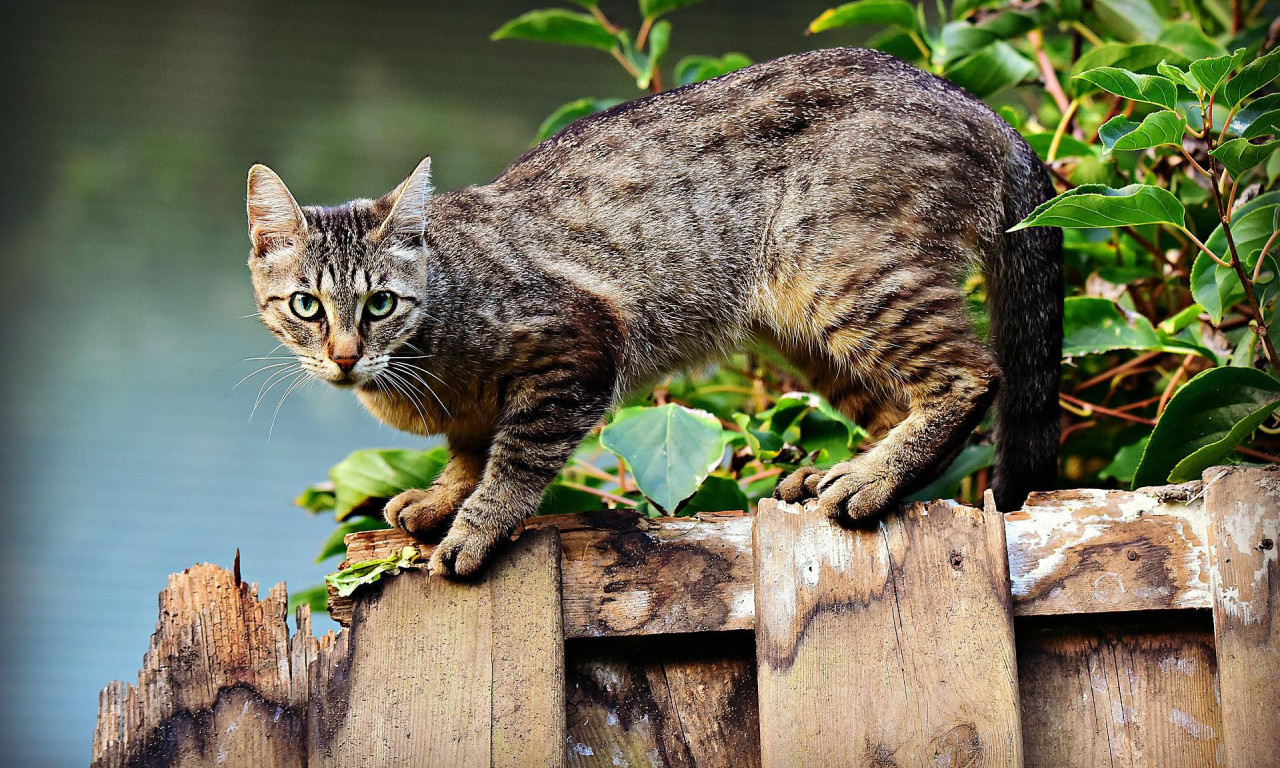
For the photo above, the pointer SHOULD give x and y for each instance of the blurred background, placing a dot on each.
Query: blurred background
(127, 450)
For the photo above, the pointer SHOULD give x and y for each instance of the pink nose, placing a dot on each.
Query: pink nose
(345, 363)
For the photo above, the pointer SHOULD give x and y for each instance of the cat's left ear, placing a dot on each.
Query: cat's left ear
(408, 217)
(275, 220)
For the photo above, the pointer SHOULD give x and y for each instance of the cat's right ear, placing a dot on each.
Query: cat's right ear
(275, 220)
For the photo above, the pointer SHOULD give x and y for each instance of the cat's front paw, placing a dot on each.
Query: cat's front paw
(418, 512)
(851, 492)
(465, 550)
(799, 485)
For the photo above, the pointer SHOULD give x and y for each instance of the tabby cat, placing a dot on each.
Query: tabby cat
(829, 203)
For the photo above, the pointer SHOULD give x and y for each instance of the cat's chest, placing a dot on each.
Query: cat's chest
(418, 413)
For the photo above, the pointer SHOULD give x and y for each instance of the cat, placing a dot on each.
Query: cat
(829, 203)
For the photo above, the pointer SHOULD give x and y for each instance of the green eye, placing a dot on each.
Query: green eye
(380, 304)
(305, 306)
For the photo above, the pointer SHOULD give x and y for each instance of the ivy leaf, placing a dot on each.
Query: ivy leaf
(717, 494)
(895, 13)
(1204, 421)
(652, 9)
(1156, 129)
(365, 572)
(336, 543)
(1239, 156)
(371, 475)
(971, 459)
(1097, 205)
(556, 25)
(991, 70)
(1210, 73)
(695, 69)
(568, 113)
(1255, 74)
(670, 449)
(1152, 89)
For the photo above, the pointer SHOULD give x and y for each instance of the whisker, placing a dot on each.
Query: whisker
(260, 370)
(264, 390)
(409, 370)
(404, 389)
(279, 405)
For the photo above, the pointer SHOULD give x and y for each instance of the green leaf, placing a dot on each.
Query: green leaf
(1129, 20)
(670, 449)
(1156, 129)
(896, 13)
(560, 499)
(1068, 145)
(375, 474)
(1210, 73)
(1095, 205)
(1152, 89)
(556, 25)
(1256, 119)
(717, 494)
(1239, 156)
(336, 543)
(1134, 57)
(695, 69)
(991, 70)
(659, 39)
(1125, 464)
(971, 459)
(1183, 79)
(568, 113)
(652, 9)
(315, 597)
(1181, 320)
(960, 38)
(1255, 74)
(317, 498)
(1207, 418)
(1189, 39)
(1217, 288)
(1093, 325)
(365, 572)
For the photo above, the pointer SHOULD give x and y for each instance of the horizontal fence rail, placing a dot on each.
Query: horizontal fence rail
(1089, 628)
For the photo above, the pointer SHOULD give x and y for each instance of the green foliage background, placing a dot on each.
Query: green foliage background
(1158, 120)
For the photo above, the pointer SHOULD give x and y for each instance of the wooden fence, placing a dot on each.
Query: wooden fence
(1091, 628)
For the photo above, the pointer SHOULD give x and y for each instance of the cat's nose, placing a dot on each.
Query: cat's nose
(345, 363)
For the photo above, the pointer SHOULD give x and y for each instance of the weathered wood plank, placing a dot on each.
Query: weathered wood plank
(430, 675)
(222, 683)
(891, 645)
(687, 702)
(1243, 506)
(1135, 691)
(1089, 551)
(1070, 552)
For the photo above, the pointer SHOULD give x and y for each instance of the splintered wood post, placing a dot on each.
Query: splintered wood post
(891, 645)
(437, 673)
(1243, 506)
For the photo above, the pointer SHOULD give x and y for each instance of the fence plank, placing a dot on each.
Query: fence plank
(1243, 506)
(654, 702)
(430, 674)
(1135, 692)
(1070, 552)
(216, 687)
(888, 646)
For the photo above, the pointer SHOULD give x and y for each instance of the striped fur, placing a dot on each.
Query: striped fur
(829, 202)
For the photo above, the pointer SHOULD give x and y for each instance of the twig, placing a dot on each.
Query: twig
(643, 34)
(1258, 454)
(745, 481)
(1173, 384)
(1088, 409)
(1051, 83)
(1062, 129)
(602, 494)
(1112, 372)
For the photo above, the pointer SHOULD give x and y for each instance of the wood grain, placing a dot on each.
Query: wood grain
(683, 702)
(885, 646)
(1069, 552)
(433, 673)
(1133, 691)
(1243, 506)
(221, 683)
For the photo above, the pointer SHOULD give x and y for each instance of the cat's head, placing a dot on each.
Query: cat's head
(341, 287)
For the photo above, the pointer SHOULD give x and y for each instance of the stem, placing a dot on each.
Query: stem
(643, 34)
(1113, 372)
(1051, 82)
(1193, 162)
(1062, 129)
(1262, 255)
(617, 54)
(1204, 247)
(745, 481)
(587, 468)
(1088, 409)
(602, 494)
(924, 49)
(1258, 455)
(1237, 17)
(609, 26)
(1173, 384)
(1087, 33)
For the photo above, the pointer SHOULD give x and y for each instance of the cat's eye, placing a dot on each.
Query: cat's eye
(305, 306)
(380, 304)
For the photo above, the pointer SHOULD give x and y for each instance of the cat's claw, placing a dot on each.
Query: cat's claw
(851, 493)
(463, 552)
(416, 512)
(799, 485)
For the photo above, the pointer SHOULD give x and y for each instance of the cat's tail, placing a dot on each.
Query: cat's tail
(1024, 288)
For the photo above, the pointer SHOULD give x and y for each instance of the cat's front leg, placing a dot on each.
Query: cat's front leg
(545, 419)
(422, 511)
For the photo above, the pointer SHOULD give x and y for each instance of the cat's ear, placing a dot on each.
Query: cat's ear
(275, 220)
(408, 216)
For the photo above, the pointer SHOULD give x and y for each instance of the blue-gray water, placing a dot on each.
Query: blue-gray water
(126, 453)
